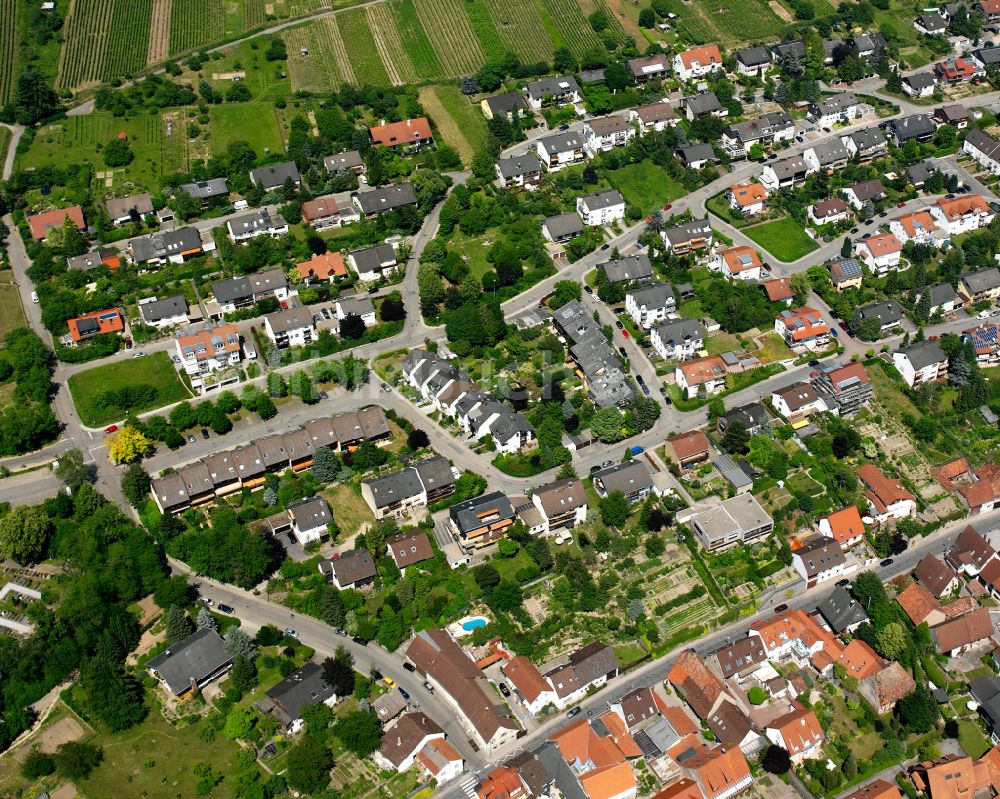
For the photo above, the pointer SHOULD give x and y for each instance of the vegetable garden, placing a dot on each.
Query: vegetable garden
(8, 48)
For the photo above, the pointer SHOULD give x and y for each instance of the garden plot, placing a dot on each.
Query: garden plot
(675, 583)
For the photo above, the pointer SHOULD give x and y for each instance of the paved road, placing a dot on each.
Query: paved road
(16, 131)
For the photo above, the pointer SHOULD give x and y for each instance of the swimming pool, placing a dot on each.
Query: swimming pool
(473, 624)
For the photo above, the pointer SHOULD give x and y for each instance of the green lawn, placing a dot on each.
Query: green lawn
(154, 370)
(466, 119)
(350, 510)
(783, 239)
(645, 185)
(971, 739)
(11, 315)
(254, 122)
(473, 250)
(719, 206)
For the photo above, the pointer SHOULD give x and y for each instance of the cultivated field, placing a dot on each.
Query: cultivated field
(194, 23)
(325, 65)
(159, 33)
(362, 53)
(8, 48)
(460, 123)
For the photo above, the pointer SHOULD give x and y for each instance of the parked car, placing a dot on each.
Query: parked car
(428, 686)
(111, 428)
(324, 395)
(574, 712)
(191, 439)
(588, 289)
(291, 633)
(621, 351)
(206, 601)
(663, 391)
(389, 681)
(139, 355)
(409, 667)
(887, 562)
(404, 693)
(606, 464)
(564, 127)
(503, 689)
(34, 297)
(326, 314)
(204, 433)
(901, 204)
(619, 324)
(227, 608)
(385, 387)
(883, 215)
(854, 230)
(605, 247)
(668, 206)
(814, 363)
(359, 640)
(625, 334)
(645, 389)
(780, 608)
(843, 583)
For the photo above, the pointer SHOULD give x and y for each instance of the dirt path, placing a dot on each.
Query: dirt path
(159, 33)
(783, 13)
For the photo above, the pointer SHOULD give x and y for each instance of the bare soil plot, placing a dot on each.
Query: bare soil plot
(158, 47)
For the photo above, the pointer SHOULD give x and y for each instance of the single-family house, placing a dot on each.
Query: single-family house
(706, 374)
(602, 134)
(887, 498)
(373, 263)
(845, 273)
(519, 171)
(798, 732)
(562, 504)
(864, 191)
(750, 199)
(274, 176)
(802, 328)
(560, 90)
(688, 450)
(678, 339)
(697, 62)
(601, 208)
(880, 253)
(383, 199)
(184, 668)
(738, 263)
(797, 402)
(124, 210)
(405, 135)
(828, 212)
(921, 362)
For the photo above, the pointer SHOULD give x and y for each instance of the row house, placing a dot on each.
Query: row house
(258, 223)
(785, 174)
(827, 156)
(867, 144)
(223, 473)
(561, 150)
(171, 246)
(918, 227)
(241, 292)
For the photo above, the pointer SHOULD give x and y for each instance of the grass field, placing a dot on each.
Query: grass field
(153, 370)
(783, 239)
(460, 122)
(11, 313)
(971, 739)
(254, 122)
(645, 185)
(350, 510)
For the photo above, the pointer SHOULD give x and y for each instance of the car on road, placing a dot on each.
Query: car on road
(359, 640)
(385, 387)
(663, 390)
(780, 608)
(191, 439)
(813, 374)
(640, 379)
(843, 583)
(204, 433)
(886, 562)
(409, 667)
(621, 351)
(111, 428)
(428, 686)
(606, 464)
(949, 196)
(772, 156)
(503, 689)
(619, 324)
(139, 355)
(564, 127)
(901, 204)
(324, 395)
(814, 363)
(574, 712)
(206, 601)
(227, 608)
(668, 206)
(854, 230)
(646, 344)
(341, 631)
(404, 694)
(175, 359)
(842, 325)
(34, 297)
(595, 468)
(835, 333)
(625, 334)
(588, 289)
(605, 247)
(291, 633)
(883, 215)
(645, 389)
(373, 290)
(389, 681)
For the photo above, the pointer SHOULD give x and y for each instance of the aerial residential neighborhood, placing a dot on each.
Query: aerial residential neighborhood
(496, 400)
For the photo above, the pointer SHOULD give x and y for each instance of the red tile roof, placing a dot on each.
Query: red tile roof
(40, 224)
(779, 289)
(748, 194)
(328, 265)
(108, 321)
(918, 603)
(883, 491)
(700, 687)
(860, 659)
(525, 677)
(709, 54)
(689, 444)
(409, 131)
(845, 524)
(799, 728)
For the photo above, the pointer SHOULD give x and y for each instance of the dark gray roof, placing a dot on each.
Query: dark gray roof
(841, 610)
(602, 199)
(703, 103)
(631, 267)
(303, 688)
(986, 691)
(352, 567)
(679, 234)
(795, 48)
(141, 204)
(89, 260)
(753, 56)
(206, 189)
(167, 308)
(249, 285)
(987, 55)
(469, 515)
(732, 471)
(830, 152)
(762, 127)
(750, 416)
(920, 80)
(435, 473)
(867, 138)
(259, 219)
(274, 175)
(888, 312)
(868, 189)
(517, 165)
(290, 319)
(385, 198)
(834, 104)
(692, 153)
(196, 658)
(372, 259)
(932, 21)
(923, 354)
(913, 127)
(592, 75)
(679, 330)
(984, 279)
(505, 103)
(508, 424)
(867, 42)
(561, 142)
(940, 293)
(163, 245)
(989, 146)
(395, 487)
(655, 295)
(311, 513)
(348, 159)
(555, 86)
(820, 554)
(593, 661)
(788, 167)
(625, 477)
(564, 225)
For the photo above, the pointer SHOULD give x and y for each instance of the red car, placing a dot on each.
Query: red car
(625, 333)
(901, 205)
(111, 428)
(668, 206)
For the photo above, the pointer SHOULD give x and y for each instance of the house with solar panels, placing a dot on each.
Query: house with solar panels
(845, 273)
(985, 340)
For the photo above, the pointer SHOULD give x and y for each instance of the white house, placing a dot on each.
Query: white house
(535, 691)
(601, 208)
(802, 328)
(798, 732)
(921, 362)
(164, 313)
(359, 306)
(654, 117)
(697, 62)
(918, 226)
(605, 133)
(738, 263)
(373, 263)
(880, 252)
(829, 111)
(750, 199)
(290, 328)
(562, 504)
(708, 373)
(402, 741)
(552, 91)
(509, 430)
(561, 150)
(651, 304)
(797, 401)
(819, 560)
(784, 174)
(887, 499)
(678, 339)
(310, 518)
(919, 84)
(962, 214)
(207, 349)
(985, 150)
(440, 761)
(258, 223)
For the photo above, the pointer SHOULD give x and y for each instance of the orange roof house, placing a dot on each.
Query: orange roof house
(680, 720)
(409, 132)
(779, 289)
(95, 324)
(688, 449)
(843, 526)
(691, 677)
(328, 266)
(321, 210)
(952, 777)
(436, 754)
(876, 789)
(800, 324)
(683, 788)
(860, 660)
(798, 731)
(917, 224)
(883, 492)
(920, 605)
(962, 206)
(609, 774)
(740, 259)
(778, 633)
(41, 224)
(882, 244)
(502, 783)
(886, 687)
(701, 56)
(703, 370)
(526, 678)
(954, 70)
(718, 771)
(747, 194)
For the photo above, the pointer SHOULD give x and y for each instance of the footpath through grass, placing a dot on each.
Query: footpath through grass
(783, 238)
(93, 390)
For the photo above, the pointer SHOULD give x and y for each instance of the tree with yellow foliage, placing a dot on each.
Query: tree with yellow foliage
(129, 445)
